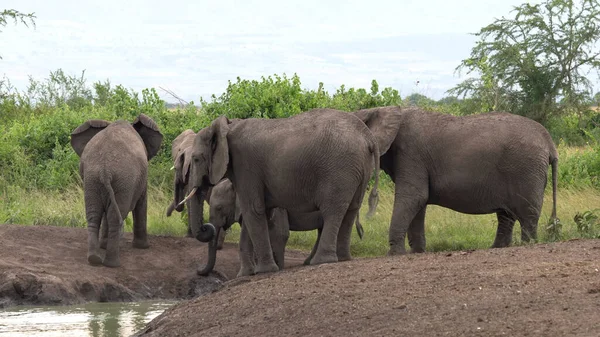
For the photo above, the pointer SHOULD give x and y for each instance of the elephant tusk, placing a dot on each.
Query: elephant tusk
(192, 192)
(172, 167)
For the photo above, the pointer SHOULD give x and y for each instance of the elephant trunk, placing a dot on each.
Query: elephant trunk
(212, 249)
(206, 233)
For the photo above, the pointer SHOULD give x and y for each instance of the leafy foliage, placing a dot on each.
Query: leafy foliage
(588, 223)
(533, 63)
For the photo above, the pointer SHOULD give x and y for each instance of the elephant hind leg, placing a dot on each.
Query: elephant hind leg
(94, 214)
(103, 233)
(314, 249)
(506, 222)
(416, 232)
(140, 215)
(92, 256)
(529, 229)
(334, 214)
(345, 233)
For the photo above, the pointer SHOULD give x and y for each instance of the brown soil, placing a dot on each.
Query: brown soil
(539, 290)
(48, 265)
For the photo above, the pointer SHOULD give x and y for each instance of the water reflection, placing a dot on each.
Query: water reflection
(93, 319)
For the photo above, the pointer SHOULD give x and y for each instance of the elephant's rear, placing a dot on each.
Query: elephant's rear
(115, 168)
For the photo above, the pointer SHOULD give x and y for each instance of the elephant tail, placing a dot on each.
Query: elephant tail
(359, 228)
(554, 163)
(113, 213)
(374, 196)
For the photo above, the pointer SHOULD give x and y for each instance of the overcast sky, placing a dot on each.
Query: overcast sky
(194, 47)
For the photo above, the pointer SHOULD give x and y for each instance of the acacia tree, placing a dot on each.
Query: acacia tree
(533, 64)
(17, 17)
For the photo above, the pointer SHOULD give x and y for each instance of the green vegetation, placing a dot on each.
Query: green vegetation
(533, 63)
(40, 183)
(530, 64)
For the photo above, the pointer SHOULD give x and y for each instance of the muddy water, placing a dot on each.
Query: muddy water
(93, 319)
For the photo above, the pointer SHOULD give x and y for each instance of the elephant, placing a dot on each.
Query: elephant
(225, 210)
(494, 162)
(319, 160)
(113, 166)
(181, 155)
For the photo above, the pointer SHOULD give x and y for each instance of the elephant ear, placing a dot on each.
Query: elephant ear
(148, 130)
(219, 158)
(384, 124)
(86, 131)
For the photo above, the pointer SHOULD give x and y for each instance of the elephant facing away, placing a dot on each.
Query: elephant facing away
(493, 162)
(320, 160)
(224, 211)
(113, 166)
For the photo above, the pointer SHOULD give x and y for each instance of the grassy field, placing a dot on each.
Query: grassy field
(445, 229)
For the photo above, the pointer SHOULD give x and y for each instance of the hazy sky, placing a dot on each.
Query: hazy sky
(194, 47)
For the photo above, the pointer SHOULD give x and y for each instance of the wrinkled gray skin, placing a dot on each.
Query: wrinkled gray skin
(320, 160)
(113, 166)
(224, 211)
(181, 153)
(479, 164)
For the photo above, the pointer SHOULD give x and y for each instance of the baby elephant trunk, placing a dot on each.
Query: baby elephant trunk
(207, 234)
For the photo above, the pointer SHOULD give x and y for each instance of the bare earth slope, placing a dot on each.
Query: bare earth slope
(48, 265)
(539, 290)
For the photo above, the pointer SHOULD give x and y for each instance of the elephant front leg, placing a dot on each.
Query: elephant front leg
(255, 221)
(246, 254)
(407, 206)
(140, 235)
(416, 232)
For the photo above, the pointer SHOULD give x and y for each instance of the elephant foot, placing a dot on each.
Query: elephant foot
(140, 244)
(344, 256)
(112, 263)
(94, 260)
(417, 250)
(266, 268)
(245, 272)
(396, 250)
(320, 259)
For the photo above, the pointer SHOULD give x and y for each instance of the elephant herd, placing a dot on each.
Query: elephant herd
(311, 171)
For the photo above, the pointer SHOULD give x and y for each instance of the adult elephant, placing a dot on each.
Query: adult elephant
(320, 160)
(493, 162)
(113, 166)
(181, 154)
(225, 211)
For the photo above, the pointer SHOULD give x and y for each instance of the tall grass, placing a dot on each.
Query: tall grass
(446, 230)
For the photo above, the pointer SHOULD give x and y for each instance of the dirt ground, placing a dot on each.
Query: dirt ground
(48, 266)
(539, 290)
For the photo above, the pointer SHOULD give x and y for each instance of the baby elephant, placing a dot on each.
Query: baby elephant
(113, 166)
(224, 211)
